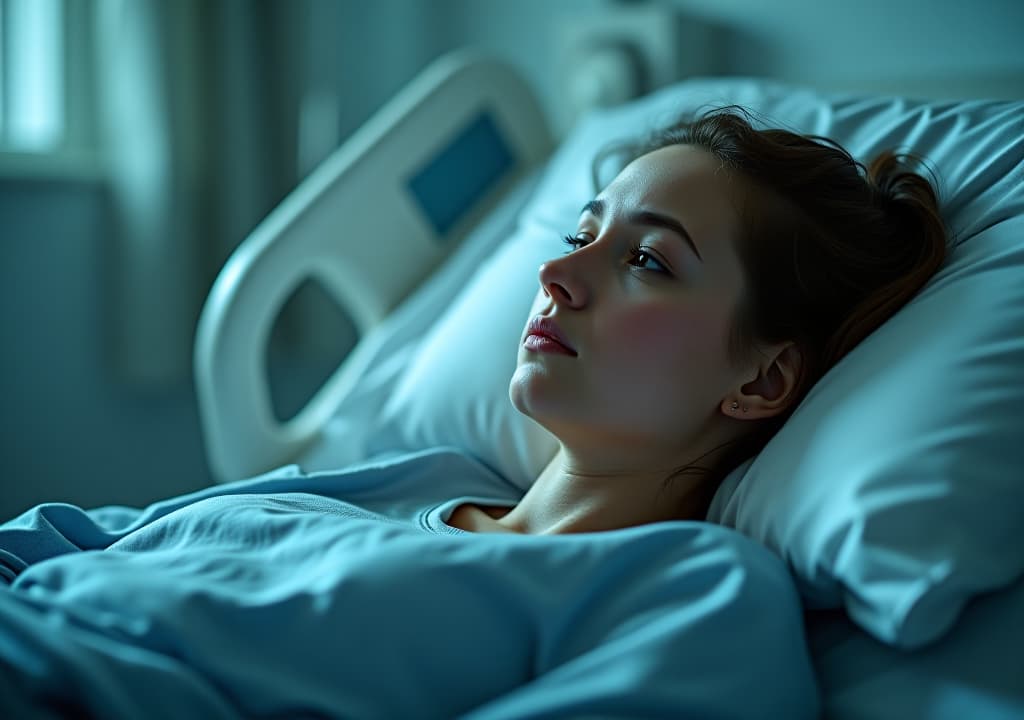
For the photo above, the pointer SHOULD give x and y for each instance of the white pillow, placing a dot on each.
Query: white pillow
(897, 487)
(455, 388)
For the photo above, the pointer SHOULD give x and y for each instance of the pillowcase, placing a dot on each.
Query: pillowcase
(896, 489)
(454, 390)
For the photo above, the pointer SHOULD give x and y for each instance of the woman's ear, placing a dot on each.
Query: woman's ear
(773, 388)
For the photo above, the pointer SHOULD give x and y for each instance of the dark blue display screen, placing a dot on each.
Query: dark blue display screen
(450, 182)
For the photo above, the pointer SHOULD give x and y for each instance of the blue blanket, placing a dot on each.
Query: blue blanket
(346, 595)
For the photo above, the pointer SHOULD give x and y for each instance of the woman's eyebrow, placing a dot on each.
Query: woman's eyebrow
(647, 217)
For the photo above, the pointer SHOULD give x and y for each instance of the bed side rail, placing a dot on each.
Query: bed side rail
(370, 223)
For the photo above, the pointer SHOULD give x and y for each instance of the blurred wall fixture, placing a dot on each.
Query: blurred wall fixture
(623, 51)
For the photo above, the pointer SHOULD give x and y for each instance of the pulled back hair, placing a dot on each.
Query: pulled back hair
(830, 247)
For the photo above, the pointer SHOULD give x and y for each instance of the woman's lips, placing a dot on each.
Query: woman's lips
(540, 343)
(544, 335)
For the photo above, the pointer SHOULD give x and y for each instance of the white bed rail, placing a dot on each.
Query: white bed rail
(353, 225)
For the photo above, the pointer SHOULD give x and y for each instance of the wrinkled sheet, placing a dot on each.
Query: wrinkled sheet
(265, 599)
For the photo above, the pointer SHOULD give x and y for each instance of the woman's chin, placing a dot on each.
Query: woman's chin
(515, 396)
(525, 398)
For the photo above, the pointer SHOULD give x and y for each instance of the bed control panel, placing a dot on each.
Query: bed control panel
(461, 173)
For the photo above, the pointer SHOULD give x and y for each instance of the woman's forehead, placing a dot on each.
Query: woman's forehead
(682, 180)
(672, 173)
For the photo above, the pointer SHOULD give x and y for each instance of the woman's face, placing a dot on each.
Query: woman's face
(646, 317)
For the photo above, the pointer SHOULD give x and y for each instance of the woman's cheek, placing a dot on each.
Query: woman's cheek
(656, 329)
(669, 337)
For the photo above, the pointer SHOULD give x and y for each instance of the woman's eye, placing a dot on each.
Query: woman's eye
(643, 259)
(576, 241)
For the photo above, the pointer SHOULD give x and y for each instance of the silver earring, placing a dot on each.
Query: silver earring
(735, 405)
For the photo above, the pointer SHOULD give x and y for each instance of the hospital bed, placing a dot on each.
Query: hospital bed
(895, 493)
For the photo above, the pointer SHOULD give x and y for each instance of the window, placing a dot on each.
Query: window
(47, 89)
(32, 80)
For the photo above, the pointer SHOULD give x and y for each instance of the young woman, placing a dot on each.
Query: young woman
(719, 275)
(708, 287)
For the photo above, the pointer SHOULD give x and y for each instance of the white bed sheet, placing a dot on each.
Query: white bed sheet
(974, 672)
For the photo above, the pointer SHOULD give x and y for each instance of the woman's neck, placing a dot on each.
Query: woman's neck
(565, 499)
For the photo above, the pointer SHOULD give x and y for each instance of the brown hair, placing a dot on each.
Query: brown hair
(831, 248)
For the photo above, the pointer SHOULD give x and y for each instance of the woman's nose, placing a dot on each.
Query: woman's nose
(563, 283)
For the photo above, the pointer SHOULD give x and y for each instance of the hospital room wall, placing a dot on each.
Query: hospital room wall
(288, 81)
(933, 48)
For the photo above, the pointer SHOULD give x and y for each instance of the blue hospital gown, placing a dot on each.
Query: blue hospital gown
(345, 594)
